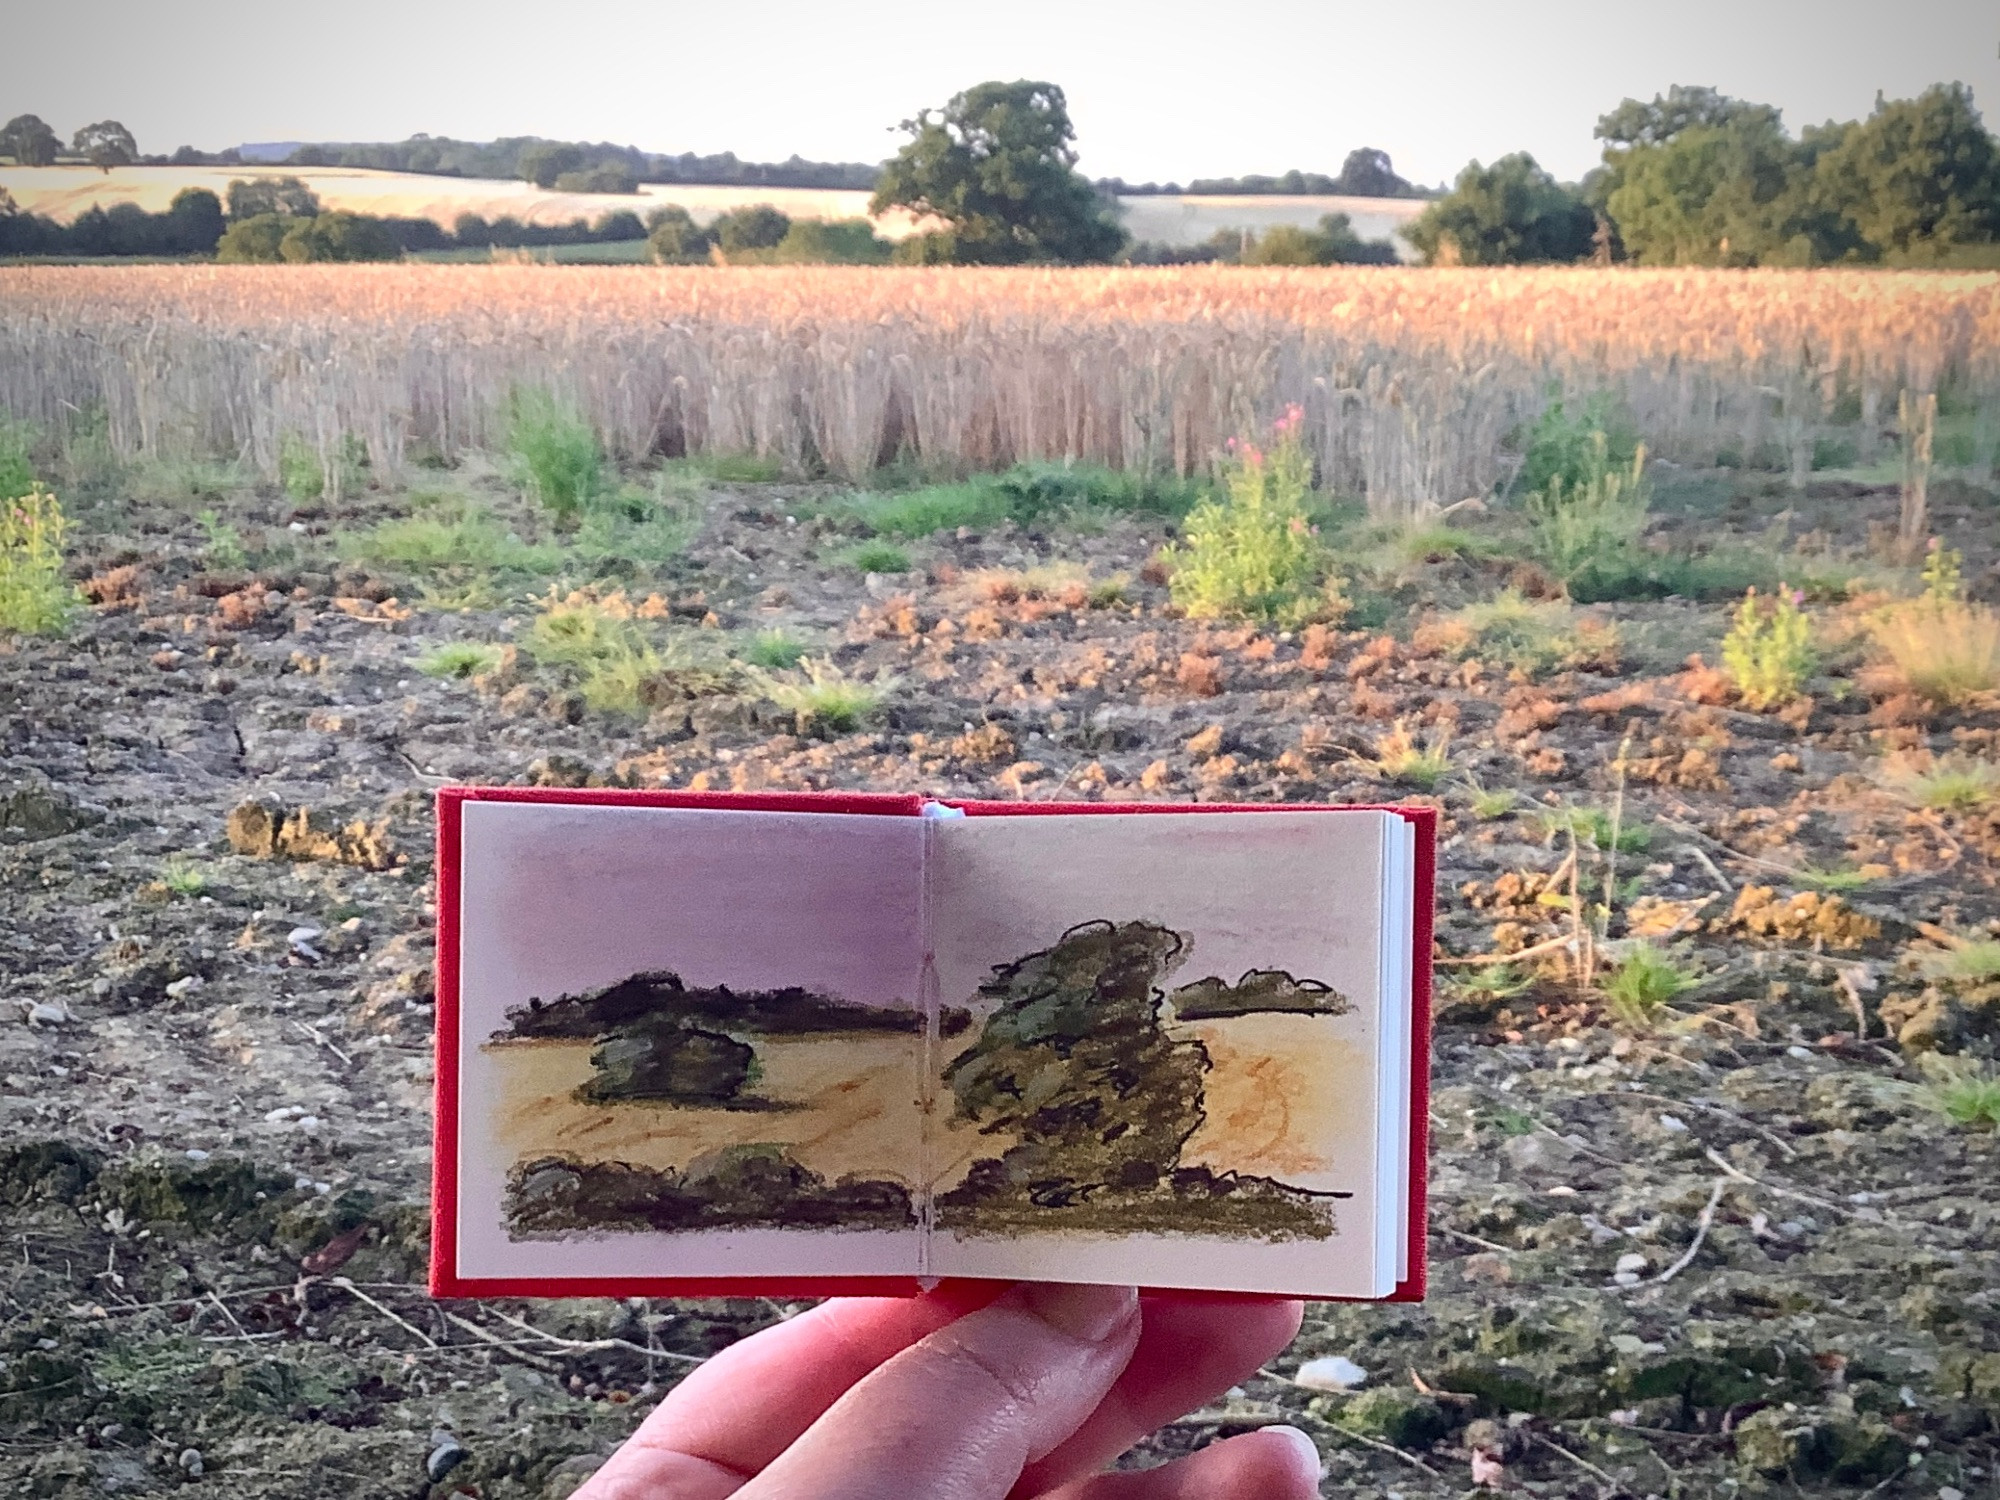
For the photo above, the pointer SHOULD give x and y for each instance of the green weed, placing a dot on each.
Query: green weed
(1530, 635)
(1421, 763)
(773, 649)
(1595, 827)
(1643, 983)
(1816, 879)
(1590, 522)
(17, 462)
(1972, 961)
(461, 659)
(182, 876)
(821, 697)
(600, 641)
(631, 526)
(1568, 446)
(554, 452)
(876, 557)
(300, 471)
(1955, 782)
(35, 598)
(1768, 653)
(224, 546)
(730, 468)
(465, 538)
(1254, 553)
(1962, 1089)
(1490, 803)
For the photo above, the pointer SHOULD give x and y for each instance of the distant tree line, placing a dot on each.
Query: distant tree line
(1367, 173)
(1698, 178)
(1333, 243)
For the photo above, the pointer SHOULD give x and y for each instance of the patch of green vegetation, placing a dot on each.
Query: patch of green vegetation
(1768, 652)
(1530, 635)
(554, 452)
(1596, 827)
(1490, 803)
(1643, 983)
(1964, 1090)
(35, 597)
(1814, 878)
(821, 697)
(17, 459)
(300, 471)
(774, 650)
(1953, 783)
(181, 481)
(728, 468)
(460, 538)
(1255, 553)
(461, 659)
(1591, 522)
(1418, 761)
(629, 526)
(183, 876)
(1029, 494)
(224, 545)
(1973, 961)
(876, 557)
(1572, 443)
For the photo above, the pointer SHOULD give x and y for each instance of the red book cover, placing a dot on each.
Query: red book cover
(808, 1056)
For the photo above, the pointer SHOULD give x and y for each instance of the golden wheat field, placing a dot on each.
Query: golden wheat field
(1408, 380)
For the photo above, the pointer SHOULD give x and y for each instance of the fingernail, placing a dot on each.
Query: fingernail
(1090, 1313)
(1307, 1448)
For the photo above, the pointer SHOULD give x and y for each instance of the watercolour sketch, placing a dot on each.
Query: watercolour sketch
(731, 1028)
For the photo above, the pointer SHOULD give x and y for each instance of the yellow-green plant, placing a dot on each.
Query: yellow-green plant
(1944, 573)
(1954, 782)
(1254, 552)
(35, 598)
(182, 876)
(1768, 653)
(1419, 762)
(1594, 518)
(1946, 649)
(821, 696)
(602, 642)
(461, 659)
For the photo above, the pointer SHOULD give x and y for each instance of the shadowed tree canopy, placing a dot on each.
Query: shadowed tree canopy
(1918, 175)
(1510, 213)
(105, 145)
(29, 141)
(998, 166)
(288, 196)
(1367, 173)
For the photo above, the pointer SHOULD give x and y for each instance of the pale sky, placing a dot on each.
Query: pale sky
(1161, 90)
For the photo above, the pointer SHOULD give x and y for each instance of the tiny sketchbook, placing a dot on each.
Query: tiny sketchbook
(804, 1044)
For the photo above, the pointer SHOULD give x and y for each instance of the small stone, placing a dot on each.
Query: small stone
(190, 1461)
(46, 1013)
(195, 1153)
(1631, 1261)
(184, 985)
(445, 1457)
(1949, 1492)
(1673, 1124)
(1333, 1373)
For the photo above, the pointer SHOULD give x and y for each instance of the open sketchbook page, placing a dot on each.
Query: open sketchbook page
(1173, 1058)
(685, 1037)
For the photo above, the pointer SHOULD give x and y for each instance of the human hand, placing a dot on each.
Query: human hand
(961, 1395)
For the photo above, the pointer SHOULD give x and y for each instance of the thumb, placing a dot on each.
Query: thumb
(959, 1414)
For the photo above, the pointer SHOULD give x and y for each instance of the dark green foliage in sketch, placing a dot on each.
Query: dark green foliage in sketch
(1077, 1064)
(739, 1187)
(659, 996)
(1259, 990)
(671, 1065)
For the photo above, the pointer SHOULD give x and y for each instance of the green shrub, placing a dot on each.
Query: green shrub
(225, 546)
(1575, 526)
(773, 649)
(1574, 447)
(1255, 553)
(554, 452)
(1768, 653)
(877, 557)
(757, 226)
(461, 659)
(35, 598)
(1645, 980)
(674, 238)
(17, 465)
(182, 876)
(299, 468)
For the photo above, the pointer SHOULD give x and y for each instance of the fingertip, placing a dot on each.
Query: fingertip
(1302, 1453)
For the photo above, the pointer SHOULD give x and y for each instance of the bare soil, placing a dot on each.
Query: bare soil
(214, 1155)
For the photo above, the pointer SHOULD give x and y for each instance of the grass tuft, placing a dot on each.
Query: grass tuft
(1489, 803)
(1643, 983)
(1401, 756)
(1595, 827)
(1943, 649)
(773, 650)
(1956, 782)
(555, 454)
(821, 697)
(1964, 1090)
(462, 659)
(182, 876)
(877, 557)
(1973, 961)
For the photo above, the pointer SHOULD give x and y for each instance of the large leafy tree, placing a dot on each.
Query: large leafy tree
(1918, 176)
(1510, 213)
(998, 166)
(1711, 194)
(28, 139)
(105, 145)
(1368, 173)
(254, 197)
